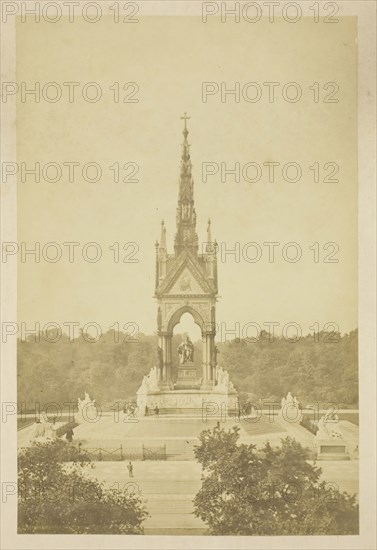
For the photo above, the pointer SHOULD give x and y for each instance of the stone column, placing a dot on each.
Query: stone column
(168, 343)
(159, 372)
(159, 366)
(162, 369)
(204, 358)
(165, 342)
(164, 366)
(208, 347)
(211, 346)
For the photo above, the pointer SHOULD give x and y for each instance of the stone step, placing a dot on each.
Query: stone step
(157, 489)
(167, 487)
(180, 414)
(176, 531)
(173, 507)
(173, 521)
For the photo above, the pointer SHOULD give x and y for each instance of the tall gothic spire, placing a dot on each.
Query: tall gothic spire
(209, 237)
(163, 236)
(186, 237)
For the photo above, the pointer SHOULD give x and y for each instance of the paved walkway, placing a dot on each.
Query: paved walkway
(111, 431)
(167, 488)
(344, 473)
(350, 433)
(163, 427)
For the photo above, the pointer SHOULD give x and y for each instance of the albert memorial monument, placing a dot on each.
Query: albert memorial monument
(186, 282)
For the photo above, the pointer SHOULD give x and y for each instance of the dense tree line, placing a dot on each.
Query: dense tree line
(111, 369)
(321, 370)
(273, 491)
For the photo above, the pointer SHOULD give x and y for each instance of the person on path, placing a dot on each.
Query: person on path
(69, 435)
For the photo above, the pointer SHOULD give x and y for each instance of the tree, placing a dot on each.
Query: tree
(57, 496)
(275, 491)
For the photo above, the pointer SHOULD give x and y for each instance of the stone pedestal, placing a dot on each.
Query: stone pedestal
(187, 401)
(187, 376)
(331, 449)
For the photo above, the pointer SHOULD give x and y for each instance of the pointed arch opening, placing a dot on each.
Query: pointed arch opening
(176, 318)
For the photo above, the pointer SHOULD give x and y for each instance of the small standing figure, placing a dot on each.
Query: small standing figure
(130, 469)
(156, 411)
(69, 435)
(146, 410)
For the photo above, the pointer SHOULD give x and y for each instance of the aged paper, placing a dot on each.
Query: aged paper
(188, 274)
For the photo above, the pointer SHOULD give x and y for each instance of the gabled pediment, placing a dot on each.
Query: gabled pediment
(186, 277)
(186, 283)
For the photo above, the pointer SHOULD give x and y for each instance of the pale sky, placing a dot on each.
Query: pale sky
(169, 59)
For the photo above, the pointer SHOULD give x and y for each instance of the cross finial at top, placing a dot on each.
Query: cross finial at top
(185, 118)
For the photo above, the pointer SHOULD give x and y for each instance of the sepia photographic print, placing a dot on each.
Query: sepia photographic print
(188, 275)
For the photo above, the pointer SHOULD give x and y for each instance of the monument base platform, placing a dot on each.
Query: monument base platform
(187, 401)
